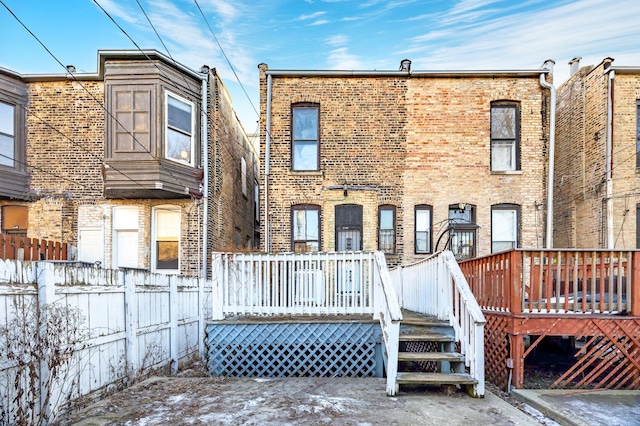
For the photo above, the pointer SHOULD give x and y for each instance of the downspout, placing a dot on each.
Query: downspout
(552, 142)
(267, 239)
(608, 160)
(205, 168)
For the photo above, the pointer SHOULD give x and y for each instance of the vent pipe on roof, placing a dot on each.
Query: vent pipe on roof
(71, 68)
(405, 65)
(574, 65)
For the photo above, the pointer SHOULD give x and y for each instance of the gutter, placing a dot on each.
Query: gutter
(551, 154)
(432, 74)
(267, 239)
(609, 159)
(205, 168)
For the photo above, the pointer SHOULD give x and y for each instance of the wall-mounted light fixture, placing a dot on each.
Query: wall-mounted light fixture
(344, 188)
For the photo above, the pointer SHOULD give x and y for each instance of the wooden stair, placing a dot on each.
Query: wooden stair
(428, 355)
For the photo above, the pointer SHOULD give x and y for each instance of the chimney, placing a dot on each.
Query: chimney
(574, 65)
(405, 65)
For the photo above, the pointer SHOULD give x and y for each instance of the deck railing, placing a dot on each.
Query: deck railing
(556, 281)
(436, 286)
(338, 283)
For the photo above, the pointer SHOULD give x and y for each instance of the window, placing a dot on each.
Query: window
(7, 134)
(505, 130)
(638, 134)
(305, 228)
(387, 229)
(422, 239)
(243, 175)
(504, 227)
(305, 144)
(462, 231)
(256, 201)
(179, 139)
(348, 224)
(166, 239)
(125, 237)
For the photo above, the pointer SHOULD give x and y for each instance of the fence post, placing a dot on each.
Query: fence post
(173, 322)
(46, 295)
(634, 297)
(516, 297)
(218, 281)
(131, 324)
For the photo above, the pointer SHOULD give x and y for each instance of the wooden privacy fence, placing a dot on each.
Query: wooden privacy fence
(131, 320)
(556, 281)
(13, 247)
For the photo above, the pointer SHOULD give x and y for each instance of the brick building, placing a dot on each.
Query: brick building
(407, 162)
(597, 201)
(142, 164)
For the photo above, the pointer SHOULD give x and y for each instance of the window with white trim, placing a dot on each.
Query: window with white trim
(504, 227)
(179, 143)
(165, 247)
(387, 229)
(7, 134)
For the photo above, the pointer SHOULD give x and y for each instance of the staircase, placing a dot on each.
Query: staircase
(428, 355)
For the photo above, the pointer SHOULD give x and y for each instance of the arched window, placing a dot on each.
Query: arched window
(505, 227)
(423, 223)
(305, 228)
(387, 228)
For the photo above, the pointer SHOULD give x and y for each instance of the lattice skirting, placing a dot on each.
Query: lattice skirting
(496, 349)
(294, 350)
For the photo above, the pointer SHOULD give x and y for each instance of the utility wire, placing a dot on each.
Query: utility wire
(91, 94)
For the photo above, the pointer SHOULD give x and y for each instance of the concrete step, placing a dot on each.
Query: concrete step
(436, 379)
(430, 356)
(426, 337)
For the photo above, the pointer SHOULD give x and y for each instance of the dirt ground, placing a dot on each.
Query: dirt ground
(291, 401)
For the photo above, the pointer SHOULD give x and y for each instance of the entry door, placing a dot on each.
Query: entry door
(348, 238)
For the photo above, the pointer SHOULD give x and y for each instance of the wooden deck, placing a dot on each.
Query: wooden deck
(526, 297)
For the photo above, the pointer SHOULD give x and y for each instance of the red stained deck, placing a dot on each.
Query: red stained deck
(589, 295)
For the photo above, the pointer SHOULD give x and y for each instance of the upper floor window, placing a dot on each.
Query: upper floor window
(179, 144)
(387, 229)
(422, 239)
(505, 137)
(462, 230)
(7, 135)
(243, 175)
(305, 146)
(504, 227)
(305, 228)
(637, 134)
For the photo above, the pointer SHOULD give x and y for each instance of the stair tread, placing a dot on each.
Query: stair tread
(430, 356)
(427, 337)
(436, 378)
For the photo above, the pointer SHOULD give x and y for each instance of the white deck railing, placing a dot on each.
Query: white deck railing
(436, 286)
(337, 283)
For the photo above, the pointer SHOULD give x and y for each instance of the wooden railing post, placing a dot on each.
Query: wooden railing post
(634, 298)
(515, 277)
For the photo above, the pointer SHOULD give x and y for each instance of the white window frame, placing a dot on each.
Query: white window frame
(9, 162)
(124, 221)
(154, 234)
(243, 175)
(515, 215)
(167, 128)
(428, 210)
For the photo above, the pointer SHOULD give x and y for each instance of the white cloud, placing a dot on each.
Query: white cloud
(310, 16)
(117, 11)
(319, 22)
(337, 40)
(341, 59)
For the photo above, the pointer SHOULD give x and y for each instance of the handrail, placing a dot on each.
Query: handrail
(436, 286)
(387, 311)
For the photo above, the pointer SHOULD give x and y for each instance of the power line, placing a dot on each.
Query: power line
(92, 95)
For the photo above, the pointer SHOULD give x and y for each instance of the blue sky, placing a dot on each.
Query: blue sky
(322, 34)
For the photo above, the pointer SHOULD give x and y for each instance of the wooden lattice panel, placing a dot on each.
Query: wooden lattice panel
(496, 349)
(293, 350)
(610, 358)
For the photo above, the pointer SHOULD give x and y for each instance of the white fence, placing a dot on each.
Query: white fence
(343, 283)
(134, 320)
(436, 286)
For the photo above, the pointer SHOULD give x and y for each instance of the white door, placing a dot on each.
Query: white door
(90, 245)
